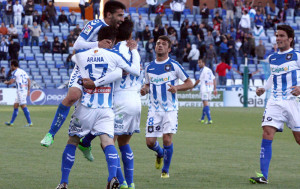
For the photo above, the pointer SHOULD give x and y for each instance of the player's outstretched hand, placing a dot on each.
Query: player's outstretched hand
(88, 83)
(295, 91)
(105, 43)
(132, 44)
(260, 91)
(172, 89)
(144, 91)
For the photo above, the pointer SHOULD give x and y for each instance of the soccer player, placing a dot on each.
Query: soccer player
(161, 82)
(127, 109)
(22, 81)
(207, 85)
(283, 105)
(113, 16)
(94, 112)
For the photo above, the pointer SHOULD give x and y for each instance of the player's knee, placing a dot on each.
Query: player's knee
(74, 140)
(150, 143)
(72, 96)
(297, 140)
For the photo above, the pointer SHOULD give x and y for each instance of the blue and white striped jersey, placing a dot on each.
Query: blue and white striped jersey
(128, 81)
(91, 29)
(21, 78)
(285, 73)
(159, 75)
(95, 63)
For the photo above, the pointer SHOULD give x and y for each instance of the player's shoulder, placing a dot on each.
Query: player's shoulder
(96, 23)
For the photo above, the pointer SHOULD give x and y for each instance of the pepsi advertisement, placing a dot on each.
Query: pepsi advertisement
(46, 96)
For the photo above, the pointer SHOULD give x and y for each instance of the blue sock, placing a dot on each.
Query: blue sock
(14, 115)
(157, 149)
(111, 155)
(168, 152)
(203, 113)
(128, 162)
(119, 172)
(208, 113)
(27, 114)
(67, 162)
(265, 156)
(59, 118)
(86, 141)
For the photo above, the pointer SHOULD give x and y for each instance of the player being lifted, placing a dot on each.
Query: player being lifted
(283, 105)
(22, 81)
(94, 112)
(161, 82)
(113, 16)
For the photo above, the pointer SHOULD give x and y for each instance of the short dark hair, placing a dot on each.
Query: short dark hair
(289, 31)
(108, 32)
(166, 38)
(125, 29)
(14, 63)
(112, 7)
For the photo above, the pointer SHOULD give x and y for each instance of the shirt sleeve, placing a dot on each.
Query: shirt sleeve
(133, 68)
(81, 43)
(180, 73)
(109, 78)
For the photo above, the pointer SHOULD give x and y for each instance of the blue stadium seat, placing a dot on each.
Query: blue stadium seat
(66, 9)
(57, 57)
(39, 56)
(132, 10)
(60, 64)
(174, 23)
(55, 29)
(142, 10)
(31, 63)
(65, 78)
(50, 85)
(21, 56)
(37, 77)
(22, 63)
(187, 12)
(50, 64)
(44, 71)
(35, 71)
(35, 49)
(29, 56)
(56, 79)
(26, 49)
(54, 71)
(48, 56)
(63, 72)
(65, 56)
(168, 11)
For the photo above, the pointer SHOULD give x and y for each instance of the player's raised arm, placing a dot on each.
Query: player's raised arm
(108, 78)
(133, 69)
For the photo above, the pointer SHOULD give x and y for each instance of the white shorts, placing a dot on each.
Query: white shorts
(284, 111)
(21, 97)
(159, 123)
(127, 109)
(206, 96)
(97, 121)
(75, 76)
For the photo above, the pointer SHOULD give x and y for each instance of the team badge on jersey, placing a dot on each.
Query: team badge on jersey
(168, 67)
(88, 29)
(95, 51)
(150, 129)
(289, 57)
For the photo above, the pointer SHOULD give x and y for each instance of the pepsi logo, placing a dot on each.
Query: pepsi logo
(38, 97)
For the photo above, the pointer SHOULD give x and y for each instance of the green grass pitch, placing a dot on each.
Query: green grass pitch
(222, 155)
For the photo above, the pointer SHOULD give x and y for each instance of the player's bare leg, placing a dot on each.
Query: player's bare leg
(61, 114)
